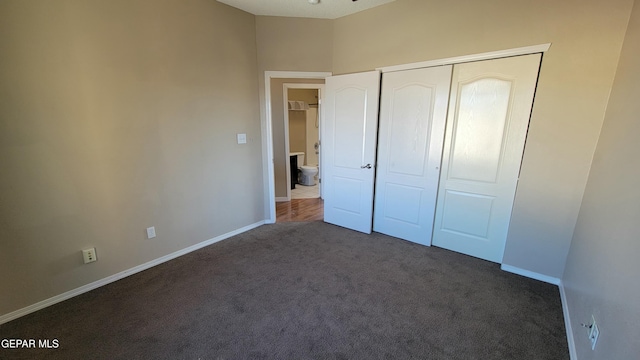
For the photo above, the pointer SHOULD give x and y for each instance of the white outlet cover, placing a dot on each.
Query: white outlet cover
(89, 255)
(151, 232)
(242, 138)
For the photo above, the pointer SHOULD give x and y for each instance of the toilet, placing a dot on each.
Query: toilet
(308, 176)
(307, 173)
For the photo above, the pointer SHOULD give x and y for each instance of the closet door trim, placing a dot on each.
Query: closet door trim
(526, 50)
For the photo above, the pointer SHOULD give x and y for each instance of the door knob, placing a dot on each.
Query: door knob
(368, 166)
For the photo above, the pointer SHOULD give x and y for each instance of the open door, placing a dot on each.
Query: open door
(349, 146)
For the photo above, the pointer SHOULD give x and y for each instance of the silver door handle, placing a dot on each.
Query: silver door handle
(368, 166)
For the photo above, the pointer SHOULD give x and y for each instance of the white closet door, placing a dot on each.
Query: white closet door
(413, 111)
(489, 112)
(349, 145)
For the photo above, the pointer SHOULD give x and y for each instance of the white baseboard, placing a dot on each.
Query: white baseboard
(573, 355)
(530, 274)
(109, 279)
(282, 199)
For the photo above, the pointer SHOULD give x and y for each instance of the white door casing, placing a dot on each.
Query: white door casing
(413, 112)
(489, 111)
(349, 143)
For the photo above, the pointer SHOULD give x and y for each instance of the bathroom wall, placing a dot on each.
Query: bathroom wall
(117, 115)
(298, 131)
(311, 134)
(309, 96)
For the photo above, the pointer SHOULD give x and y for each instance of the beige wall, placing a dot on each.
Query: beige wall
(575, 79)
(116, 115)
(294, 44)
(601, 277)
(297, 131)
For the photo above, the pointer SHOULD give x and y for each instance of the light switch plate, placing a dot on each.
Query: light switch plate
(151, 232)
(242, 138)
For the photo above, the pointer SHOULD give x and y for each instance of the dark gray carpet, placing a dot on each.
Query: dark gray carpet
(306, 291)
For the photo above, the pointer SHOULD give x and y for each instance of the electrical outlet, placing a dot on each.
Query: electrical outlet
(89, 255)
(594, 332)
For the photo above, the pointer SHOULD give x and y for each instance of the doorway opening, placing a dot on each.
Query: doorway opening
(279, 202)
(302, 140)
(302, 144)
(302, 123)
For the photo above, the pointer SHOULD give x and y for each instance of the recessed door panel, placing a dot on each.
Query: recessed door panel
(467, 214)
(478, 132)
(402, 203)
(486, 129)
(409, 131)
(413, 110)
(350, 103)
(347, 194)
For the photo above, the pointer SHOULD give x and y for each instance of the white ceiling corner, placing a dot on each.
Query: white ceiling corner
(325, 9)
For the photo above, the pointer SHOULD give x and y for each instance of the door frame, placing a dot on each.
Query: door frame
(267, 135)
(320, 90)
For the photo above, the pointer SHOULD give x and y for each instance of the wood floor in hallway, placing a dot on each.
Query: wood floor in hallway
(300, 210)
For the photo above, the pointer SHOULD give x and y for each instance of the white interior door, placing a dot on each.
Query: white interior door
(489, 112)
(349, 145)
(413, 112)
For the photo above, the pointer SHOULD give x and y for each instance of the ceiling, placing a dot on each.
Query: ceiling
(324, 9)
